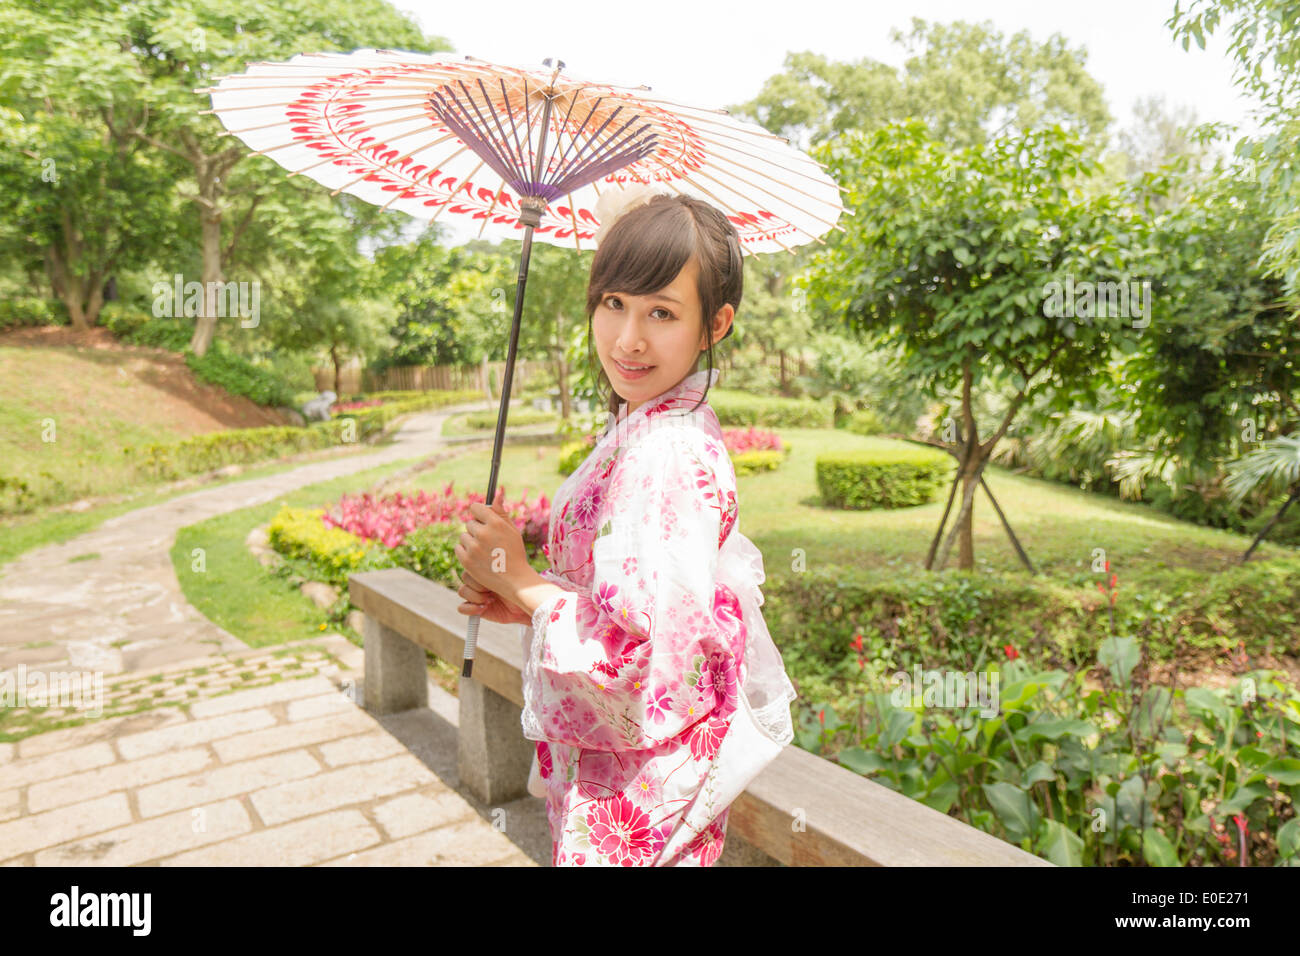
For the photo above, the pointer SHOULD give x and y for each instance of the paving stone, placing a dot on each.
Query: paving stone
(227, 781)
(260, 697)
(416, 812)
(312, 707)
(340, 788)
(295, 844)
(473, 843)
(9, 806)
(193, 732)
(138, 843)
(37, 830)
(19, 773)
(292, 736)
(127, 775)
(361, 747)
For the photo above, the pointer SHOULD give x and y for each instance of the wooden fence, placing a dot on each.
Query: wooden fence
(353, 379)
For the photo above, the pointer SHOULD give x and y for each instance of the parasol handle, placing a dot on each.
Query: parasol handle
(530, 214)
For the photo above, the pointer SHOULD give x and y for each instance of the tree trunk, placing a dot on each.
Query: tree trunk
(210, 245)
(562, 368)
(334, 357)
(970, 467)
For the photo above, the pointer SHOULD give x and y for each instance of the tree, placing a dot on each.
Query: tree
(80, 197)
(555, 301)
(950, 256)
(1218, 367)
(967, 82)
(181, 45)
(1264, 42)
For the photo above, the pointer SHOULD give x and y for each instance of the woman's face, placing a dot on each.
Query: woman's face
(660, 330)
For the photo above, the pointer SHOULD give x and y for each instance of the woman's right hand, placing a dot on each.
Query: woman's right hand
(489, 605)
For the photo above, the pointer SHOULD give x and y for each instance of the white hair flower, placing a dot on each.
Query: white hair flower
(617, 199)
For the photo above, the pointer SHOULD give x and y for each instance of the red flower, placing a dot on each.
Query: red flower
(856, 643)
(1240, 820)
(1108, 565)
(821, 716)
(1011, 652)
(1101, 587)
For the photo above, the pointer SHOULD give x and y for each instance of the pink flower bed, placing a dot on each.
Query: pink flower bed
(740, 440)
(388, 519)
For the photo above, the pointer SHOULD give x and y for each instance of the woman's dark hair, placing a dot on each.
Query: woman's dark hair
(646, 249)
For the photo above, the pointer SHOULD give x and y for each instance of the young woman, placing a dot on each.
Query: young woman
(652, 687)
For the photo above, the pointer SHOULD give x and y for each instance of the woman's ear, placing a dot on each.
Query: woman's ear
(723, 322)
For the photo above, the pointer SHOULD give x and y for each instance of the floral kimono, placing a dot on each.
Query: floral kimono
(635, 678)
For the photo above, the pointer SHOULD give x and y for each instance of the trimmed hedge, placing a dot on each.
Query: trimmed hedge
(247, 445)
(749, 462)
(334, 554)
(910, 616)
(860, 480)
(741, 409)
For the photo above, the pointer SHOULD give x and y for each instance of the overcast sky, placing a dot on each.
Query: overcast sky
(711, 53)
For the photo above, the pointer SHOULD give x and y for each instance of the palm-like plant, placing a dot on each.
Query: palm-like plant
(1272, 467)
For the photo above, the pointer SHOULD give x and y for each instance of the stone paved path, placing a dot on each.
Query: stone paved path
(285, 769)
(123, 610)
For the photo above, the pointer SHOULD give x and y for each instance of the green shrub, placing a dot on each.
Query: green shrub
(27, 311)
(430, 551)
(332, 553)
(882, 479)
(238, 376)
(863, 422)
(214, 450)
(518, 416)
(741, 409)
(749, 462)
(573, 454)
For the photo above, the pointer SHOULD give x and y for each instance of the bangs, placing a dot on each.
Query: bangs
(644, 256)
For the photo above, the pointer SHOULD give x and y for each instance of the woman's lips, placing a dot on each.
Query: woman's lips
(629, 374)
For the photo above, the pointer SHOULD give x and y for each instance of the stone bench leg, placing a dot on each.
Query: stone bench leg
(494, 755)
(396, 678)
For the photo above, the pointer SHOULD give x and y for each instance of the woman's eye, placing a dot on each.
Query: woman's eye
(613, 298)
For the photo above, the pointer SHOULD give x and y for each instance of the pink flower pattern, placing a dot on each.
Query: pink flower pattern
(632, 675)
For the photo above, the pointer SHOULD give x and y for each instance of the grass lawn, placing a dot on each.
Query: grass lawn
(1058, 526)
(22, 533)
(234, 591)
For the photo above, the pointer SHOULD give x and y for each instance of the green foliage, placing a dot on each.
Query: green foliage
(238, 376)
(872, 479)
(518, 416)
(1264, 43)
(863, 422)
(573, 454)
(137, 327)
(740, 410)
(23, 311)
(965, 81)
(1116, 775)
(750, 462)
(331, 552)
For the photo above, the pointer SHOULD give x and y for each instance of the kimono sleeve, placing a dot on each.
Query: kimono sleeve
(653, 647)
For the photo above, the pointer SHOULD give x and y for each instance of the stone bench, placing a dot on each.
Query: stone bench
(802, 810)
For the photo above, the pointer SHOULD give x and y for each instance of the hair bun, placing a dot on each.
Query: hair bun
(618, 199)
